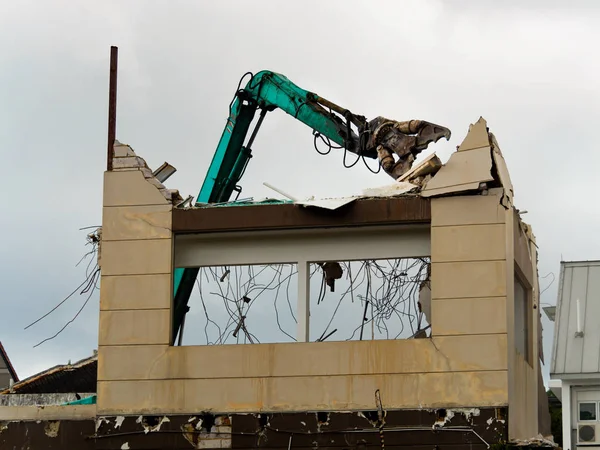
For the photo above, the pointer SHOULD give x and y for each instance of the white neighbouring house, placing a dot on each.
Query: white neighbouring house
(575, 366)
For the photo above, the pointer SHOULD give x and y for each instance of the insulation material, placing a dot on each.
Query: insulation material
(327, 203)
(391, 190)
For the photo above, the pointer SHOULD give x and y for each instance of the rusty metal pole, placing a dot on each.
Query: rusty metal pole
(112, 106)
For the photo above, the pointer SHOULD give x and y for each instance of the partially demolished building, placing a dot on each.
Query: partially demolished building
(466, 376)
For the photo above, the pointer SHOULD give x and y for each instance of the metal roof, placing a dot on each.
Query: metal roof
(576, 348)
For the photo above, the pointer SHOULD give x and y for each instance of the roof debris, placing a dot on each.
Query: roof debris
(538, 441)
(424, 171)
(396, 189)
(476, 166)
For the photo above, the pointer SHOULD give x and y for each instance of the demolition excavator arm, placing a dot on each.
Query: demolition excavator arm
(394, 144)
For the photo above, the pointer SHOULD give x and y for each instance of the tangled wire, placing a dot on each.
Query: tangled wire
(88, 286)
(384, 292)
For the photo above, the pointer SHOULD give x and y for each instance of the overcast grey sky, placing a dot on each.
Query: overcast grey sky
(528, 67)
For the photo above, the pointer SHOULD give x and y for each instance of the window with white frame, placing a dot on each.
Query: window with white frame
(588, 411)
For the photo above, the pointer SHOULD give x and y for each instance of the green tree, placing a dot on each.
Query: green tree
(555, 416)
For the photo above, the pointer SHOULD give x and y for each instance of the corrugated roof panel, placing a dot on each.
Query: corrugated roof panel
(591, 317)
(577, 353)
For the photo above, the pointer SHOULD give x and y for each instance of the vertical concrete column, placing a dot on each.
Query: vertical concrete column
(136, 268)
(303, 334)
(468, 275)
(523, 376)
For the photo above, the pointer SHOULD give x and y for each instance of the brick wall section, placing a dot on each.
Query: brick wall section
(305, 430)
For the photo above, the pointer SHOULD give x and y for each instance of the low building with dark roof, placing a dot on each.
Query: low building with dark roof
(79, 377)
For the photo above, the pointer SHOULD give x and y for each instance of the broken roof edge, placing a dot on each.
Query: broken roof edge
(52, 370)
(475, 166)
(394, 190)
(9, 366)
(125, 159)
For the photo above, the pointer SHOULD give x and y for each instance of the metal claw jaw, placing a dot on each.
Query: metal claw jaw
(397, 144)
(428, 133)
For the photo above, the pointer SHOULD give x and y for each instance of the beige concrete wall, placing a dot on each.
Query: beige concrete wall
(463, 365)
(136, 255)
(453, 371)
(468, 276)
(450, 371)
(523, 389)
(324, 393)
(47, 412)
(477, 247)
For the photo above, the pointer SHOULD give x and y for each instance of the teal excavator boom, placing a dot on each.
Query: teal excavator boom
(394, 144)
